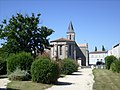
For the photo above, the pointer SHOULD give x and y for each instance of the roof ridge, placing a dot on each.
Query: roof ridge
(62, 39)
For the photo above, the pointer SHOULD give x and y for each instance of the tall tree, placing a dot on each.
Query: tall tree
(95, 48)
(22, 33)
(103, 48)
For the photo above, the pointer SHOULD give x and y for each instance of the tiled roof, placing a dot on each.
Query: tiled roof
(62, 40)
(96, 52)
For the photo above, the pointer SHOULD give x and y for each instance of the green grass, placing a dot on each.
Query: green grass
(26, 85)
(106, 80)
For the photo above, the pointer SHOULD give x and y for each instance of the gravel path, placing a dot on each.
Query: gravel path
(3, 83)
(81, 80)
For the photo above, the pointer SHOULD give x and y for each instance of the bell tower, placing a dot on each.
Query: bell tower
(70, 32)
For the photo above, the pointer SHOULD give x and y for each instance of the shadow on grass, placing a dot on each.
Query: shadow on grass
(8, 89)
(63, 83)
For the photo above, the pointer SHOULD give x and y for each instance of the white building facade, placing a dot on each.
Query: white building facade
(115, 51)
(97, 56)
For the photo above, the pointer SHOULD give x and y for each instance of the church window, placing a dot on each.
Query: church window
(60, 49)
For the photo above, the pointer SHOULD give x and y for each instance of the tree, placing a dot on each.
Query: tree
(103, 48)
(95, 48)
(22, 33)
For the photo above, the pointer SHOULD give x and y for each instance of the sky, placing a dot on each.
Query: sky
(96, 22)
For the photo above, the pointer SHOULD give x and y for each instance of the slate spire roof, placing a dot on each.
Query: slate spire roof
(70, 27)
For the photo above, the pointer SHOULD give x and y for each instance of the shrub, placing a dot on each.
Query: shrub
(3, 66)
(68, 66)
(113, 67)
(19, 75)
(118, 66)
(109, 60)
(44, 71)
(22, 60)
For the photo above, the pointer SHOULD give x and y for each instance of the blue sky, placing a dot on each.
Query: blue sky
(96, 22)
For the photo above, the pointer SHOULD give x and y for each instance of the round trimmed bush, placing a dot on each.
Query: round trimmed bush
(68, 66)
(21, 60)
(44, 71)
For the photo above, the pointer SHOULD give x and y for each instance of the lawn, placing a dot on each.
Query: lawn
(106, 80)
(26, 85)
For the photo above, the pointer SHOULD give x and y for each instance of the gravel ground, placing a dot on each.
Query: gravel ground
(3, 83)
(81, 80)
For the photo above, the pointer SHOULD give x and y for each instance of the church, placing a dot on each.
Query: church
(68, 48)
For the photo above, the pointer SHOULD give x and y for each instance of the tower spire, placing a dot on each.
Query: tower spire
(70, 32)
(70, 27)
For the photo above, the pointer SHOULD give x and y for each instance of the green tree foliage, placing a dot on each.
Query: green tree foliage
(45, 71)
(22, 33)
(109, 60)
(103, 48)
(95, 48)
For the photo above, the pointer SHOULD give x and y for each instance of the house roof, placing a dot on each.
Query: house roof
(97, 52)
(116, 45)
(62, 40)
(83, 45)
